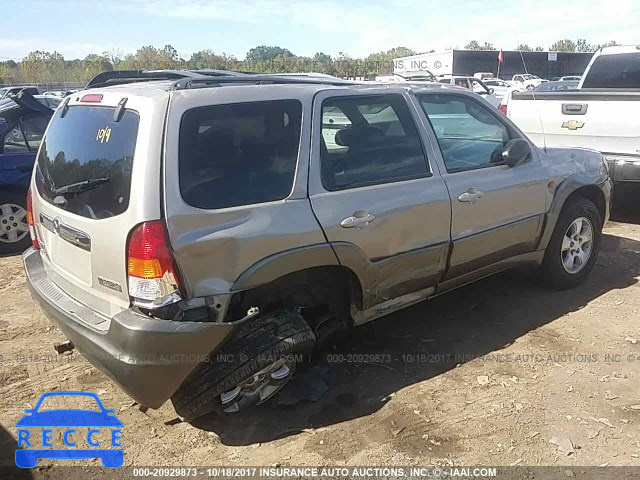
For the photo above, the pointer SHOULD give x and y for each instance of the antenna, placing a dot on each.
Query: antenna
(544, 137)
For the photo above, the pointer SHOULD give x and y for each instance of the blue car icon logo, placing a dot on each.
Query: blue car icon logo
(34, 443)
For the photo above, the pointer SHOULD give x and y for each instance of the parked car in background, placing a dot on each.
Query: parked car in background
(416, 76)
(500, 87)
(526, 81)
(484, 76)
(601, 114)
(48, 101)
(557, 86)
(59, 93)
(23, 120)
(6, 91)
(473, 84)
(571, 78)
(163, 229)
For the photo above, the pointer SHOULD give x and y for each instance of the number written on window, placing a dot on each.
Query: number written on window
(104, 134)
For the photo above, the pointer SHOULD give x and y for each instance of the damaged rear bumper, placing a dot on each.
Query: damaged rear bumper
(146, 357)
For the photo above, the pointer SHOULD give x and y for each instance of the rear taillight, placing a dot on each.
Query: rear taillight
(30, 221)
(153, 279)
(503, 108)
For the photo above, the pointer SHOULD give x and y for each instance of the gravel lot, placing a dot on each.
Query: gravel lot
(486, 375)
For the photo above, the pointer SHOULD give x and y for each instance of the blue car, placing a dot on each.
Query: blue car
(23, 120)
(68, 419)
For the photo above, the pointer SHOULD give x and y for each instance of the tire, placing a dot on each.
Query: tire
(14, 230)
(553, 270)
(251, 349)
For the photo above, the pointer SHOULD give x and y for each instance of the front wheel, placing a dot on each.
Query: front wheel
(574, 245)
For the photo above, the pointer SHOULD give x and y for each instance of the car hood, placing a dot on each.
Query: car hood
(564, 162)
(69, 418)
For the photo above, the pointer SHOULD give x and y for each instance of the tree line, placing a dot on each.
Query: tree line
(566, 45)
(44, 67)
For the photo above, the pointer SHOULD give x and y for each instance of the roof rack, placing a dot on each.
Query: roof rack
(186, 79)
(259, 79)
(119, 77)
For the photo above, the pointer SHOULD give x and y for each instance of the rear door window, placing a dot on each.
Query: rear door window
(378, 144)
(84, 165)
(239, 154)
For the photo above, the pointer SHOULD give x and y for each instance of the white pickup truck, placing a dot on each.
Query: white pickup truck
(603, 114)
(525, 81)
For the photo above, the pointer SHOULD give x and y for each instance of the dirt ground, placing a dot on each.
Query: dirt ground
(486, 375)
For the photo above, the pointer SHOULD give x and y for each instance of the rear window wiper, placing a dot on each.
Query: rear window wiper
(81, 187)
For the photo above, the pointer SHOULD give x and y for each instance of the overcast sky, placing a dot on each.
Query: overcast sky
(76, 28)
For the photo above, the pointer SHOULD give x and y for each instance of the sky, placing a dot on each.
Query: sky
(76, 28)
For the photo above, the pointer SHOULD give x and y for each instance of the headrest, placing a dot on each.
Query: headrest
(353, 137)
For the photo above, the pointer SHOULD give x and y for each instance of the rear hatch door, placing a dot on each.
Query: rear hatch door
(96, 177)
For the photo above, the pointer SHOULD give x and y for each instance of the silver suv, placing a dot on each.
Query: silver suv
(194, 237)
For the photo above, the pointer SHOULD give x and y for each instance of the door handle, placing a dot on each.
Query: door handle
(358, 220)
(574, 108)
(470, 196)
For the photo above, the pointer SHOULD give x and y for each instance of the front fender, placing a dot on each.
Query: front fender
(574, 170)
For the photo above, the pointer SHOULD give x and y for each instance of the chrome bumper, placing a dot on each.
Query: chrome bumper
(623, 168)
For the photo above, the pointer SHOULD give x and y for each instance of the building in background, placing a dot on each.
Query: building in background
(467, 62)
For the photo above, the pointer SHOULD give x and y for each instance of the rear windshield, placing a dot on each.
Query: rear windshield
(614, 71)
(84, 163)
(239, 154)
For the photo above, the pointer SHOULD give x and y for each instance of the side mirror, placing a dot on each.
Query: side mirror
(516, 151)
(491, 91)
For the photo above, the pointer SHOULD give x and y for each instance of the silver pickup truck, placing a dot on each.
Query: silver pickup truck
(193, 236)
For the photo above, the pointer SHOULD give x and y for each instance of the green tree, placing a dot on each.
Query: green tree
(344, 65)
(43, 67)
(208, 59)
(93, 65)
(583, 46)
(563, 46)
(525, 48)
(539, 49)
(474, 45)
(114, 56)
(7, 73)
(264, 53)
(170, 53)
(323, 63)
(398, 52)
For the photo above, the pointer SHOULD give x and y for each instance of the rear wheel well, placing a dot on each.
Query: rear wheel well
(320, 294)
(595, 195)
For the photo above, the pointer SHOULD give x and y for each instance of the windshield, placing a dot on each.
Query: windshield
(614, 71)
(84, 165)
